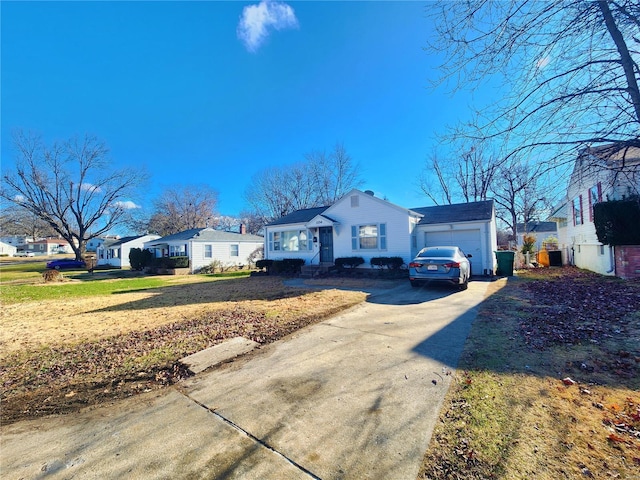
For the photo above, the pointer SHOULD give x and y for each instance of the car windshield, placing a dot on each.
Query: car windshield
(437, 252)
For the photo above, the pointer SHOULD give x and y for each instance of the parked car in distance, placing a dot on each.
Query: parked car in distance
(25, 254)
(440, 264)
(66, 263)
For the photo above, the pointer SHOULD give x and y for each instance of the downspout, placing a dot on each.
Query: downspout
(612, 260)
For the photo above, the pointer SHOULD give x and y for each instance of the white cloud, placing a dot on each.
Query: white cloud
(257, 22)
(89, 187)
(543, 62)
(126, 205)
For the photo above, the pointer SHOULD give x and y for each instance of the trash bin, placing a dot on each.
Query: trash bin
(555, 258)
(505, 263)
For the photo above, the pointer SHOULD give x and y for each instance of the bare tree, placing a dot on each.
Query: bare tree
(520, 193)
(19, 221)
(182, 208)
(468, 177)
(334, 174)
(568, 70)
(71, 186)
(319, 180)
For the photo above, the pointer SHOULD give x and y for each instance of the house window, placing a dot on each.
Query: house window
(177, 250)
(290, 241)
(355, 200)
(601, 250)
(233, 250)
(595, 196)
(577, 211)
(369, 237)
(208, 251)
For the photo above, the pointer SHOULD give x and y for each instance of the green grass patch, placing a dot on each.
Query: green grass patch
(30, 293)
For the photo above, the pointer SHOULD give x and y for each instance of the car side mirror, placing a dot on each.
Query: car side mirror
(469, 256)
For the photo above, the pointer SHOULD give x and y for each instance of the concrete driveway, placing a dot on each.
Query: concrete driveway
(353, 397)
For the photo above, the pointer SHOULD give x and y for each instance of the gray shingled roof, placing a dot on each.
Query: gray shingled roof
(460, 212)
(541, 227)
(208, 235)
(119, 241)
(299, 216)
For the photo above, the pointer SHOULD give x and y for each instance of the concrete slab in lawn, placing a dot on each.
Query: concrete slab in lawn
(210, 357)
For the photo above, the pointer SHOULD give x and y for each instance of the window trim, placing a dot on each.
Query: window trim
(357, 237)
(278, 239)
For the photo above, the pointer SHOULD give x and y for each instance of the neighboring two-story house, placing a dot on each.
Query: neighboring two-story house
(600, 173)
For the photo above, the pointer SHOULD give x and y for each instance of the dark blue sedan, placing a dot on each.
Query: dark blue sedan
(66, 263)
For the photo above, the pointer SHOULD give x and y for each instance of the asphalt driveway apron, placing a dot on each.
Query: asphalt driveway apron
(354, 397)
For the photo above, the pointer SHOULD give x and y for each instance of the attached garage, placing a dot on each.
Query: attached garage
(468, 240)
(470, 226)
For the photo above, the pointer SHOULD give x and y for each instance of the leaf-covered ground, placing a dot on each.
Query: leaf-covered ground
(549, 385)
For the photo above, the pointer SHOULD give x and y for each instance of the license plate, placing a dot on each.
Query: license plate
(432, 267)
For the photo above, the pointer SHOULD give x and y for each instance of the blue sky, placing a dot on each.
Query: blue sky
(176, 88)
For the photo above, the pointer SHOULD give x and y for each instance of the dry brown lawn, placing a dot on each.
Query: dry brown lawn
(35, 324)
(61, 355)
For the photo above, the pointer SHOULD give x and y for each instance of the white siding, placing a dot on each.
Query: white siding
(582, 241)
(307, 255)
(221, 251)
(371, 210)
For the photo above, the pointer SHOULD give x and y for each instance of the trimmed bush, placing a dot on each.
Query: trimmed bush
(348, 262)
(139, 259)
(170, 262)
(287, 266)
(616, 221)
(264, 264)
(391, 263)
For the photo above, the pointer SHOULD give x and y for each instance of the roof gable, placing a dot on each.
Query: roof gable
(458, 212)
(381, 201)
(299, 216)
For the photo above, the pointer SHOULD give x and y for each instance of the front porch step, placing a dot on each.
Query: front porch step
(310, 271)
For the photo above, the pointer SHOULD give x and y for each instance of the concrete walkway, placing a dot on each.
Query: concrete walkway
(353, 397)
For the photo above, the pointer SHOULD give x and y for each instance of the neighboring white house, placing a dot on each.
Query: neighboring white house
(48, 246)
(16, 240)
(94, 243)
(360, 224)
(7, 250)
(541, 230)
(203, 246)
(116, 252)
(599, 174)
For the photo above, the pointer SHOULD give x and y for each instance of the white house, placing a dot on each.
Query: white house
(600, 173)
(203, 246)
(94, 243)
(115, 252)
(7, 250)
(49, 246)
(360, 224)
(541, 230)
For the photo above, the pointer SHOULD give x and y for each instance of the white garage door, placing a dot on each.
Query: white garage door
(467, 240)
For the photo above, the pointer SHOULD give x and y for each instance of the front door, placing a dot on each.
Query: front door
(326, 244)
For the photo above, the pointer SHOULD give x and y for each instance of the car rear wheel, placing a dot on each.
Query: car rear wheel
(464, 285)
